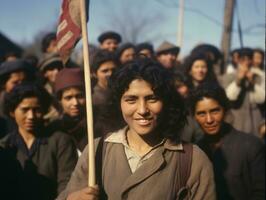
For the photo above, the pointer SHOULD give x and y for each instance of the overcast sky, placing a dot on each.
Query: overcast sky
(22, 20)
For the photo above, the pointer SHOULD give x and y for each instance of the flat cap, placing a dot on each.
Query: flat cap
(109, 35)
(166, 47)
(51, 60)
(15, 65)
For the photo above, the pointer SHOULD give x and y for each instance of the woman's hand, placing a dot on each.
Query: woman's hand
(89, 193)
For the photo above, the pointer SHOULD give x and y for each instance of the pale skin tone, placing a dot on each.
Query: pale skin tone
(198, 71)
(28, 116)
(15, 78)
(140, 109)
(73, 101)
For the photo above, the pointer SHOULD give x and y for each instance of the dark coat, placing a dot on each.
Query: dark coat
(76, 128)
(39, 173)
(239, 165)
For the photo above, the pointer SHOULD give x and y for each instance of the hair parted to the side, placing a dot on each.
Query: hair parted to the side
(26, 90)
(173, 117)
(206, 90)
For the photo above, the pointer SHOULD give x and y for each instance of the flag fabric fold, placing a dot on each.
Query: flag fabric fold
(69, 28)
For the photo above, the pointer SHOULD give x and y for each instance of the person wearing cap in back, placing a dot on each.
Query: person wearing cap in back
(109, 40)
(167, 54)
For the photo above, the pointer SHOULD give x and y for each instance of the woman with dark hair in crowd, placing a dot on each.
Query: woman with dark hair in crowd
(144, 154)
(258, 59)
(198, 71)
(43, 160)
(13, 73)
(103, 65)
(238, 158)
(125, 53)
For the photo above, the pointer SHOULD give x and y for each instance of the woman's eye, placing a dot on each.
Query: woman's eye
(153, 99)
(130, 101)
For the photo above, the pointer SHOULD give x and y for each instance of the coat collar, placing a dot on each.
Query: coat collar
(119, 137)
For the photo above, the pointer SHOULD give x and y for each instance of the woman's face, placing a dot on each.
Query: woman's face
(140, 107)
(73, 102)
(257, 59)
(199, 70)
(127, 55)
(14, 79)
(28, 115)
(104, 72)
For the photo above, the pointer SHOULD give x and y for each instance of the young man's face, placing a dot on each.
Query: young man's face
(109, 44)
(73, 102)
(167, 59)
(140, 108)
(28, 115)
(15, 78)
(210, 115)
(104, 72)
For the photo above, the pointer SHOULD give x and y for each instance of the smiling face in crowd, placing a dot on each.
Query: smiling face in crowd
(109, 44)
(141, 108)
(73, 101)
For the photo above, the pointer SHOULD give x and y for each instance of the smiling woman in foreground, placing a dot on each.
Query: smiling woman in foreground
(141, 160)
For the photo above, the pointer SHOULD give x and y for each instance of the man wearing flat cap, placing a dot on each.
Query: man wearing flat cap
(167, 54)
(109, 40)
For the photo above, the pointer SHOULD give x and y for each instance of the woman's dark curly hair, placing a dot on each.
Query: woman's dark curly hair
(214, 91)
(173, 117)
(210, 76)
(26, 90)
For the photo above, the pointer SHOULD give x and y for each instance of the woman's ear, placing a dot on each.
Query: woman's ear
(11, 114)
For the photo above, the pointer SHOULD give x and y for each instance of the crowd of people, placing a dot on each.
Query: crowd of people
(164, 128)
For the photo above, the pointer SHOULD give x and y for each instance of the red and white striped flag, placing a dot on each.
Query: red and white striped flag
(69, 27)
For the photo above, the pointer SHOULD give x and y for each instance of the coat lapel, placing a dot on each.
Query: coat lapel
(150, 167)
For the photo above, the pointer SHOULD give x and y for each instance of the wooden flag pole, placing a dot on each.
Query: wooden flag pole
(91, 156)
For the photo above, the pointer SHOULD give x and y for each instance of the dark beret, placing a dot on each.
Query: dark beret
(15, 65)
(109, 35)
(143, 46)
